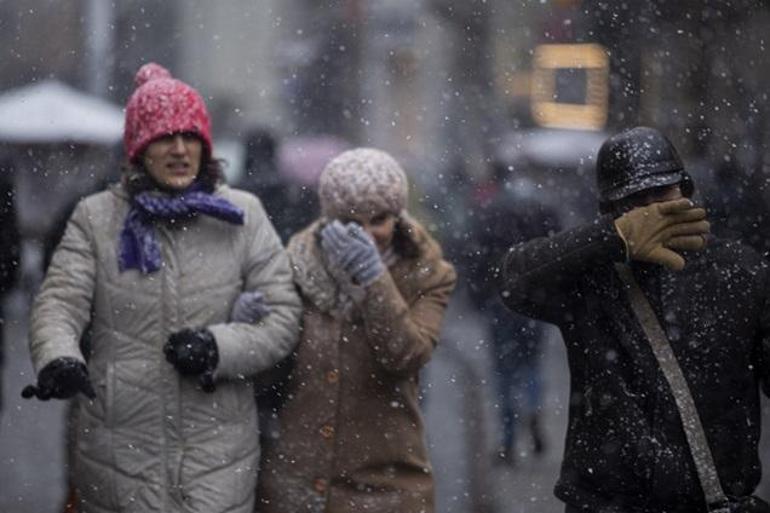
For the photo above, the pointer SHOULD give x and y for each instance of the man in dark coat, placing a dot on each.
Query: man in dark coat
(290, 206)
(10, 244)
(626, 449)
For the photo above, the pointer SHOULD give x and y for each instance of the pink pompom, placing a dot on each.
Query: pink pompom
(150, 71)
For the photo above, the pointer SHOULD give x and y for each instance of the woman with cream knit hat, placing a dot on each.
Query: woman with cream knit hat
(349, 434)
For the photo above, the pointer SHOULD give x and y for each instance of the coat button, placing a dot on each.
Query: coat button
(333, 376)
(327, 431)
(320, 485)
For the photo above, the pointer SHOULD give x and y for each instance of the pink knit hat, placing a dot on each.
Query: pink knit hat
(162, 105)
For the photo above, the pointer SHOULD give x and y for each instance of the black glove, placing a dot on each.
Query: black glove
(61, 378)
(194, 353)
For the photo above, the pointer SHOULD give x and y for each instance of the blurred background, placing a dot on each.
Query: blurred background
(473, 97)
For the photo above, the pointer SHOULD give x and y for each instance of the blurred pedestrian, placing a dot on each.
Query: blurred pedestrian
(10, 246)
(50, 242)
(374, 287)
(290, 206)
(737, 207)
(668, 341)
(511, 212)
(53, 236)
(166, 415)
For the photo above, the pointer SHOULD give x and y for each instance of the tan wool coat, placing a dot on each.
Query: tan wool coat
(349, 436)
(152, 440)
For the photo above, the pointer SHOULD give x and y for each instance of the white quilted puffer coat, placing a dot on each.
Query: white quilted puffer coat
(152, 440)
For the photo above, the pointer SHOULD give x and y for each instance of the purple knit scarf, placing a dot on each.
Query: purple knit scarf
(139, 248)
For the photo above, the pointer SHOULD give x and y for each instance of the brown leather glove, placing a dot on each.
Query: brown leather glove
(652, 232)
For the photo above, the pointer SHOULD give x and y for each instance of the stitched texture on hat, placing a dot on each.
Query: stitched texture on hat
(362, 181)
(162, 105)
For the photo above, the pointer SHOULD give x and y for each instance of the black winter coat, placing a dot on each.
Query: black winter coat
(625, 447)
(10, 249)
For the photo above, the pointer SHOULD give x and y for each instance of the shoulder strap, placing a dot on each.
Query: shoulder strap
(688, 413)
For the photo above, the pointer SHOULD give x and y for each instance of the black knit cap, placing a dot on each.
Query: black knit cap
(635, 160)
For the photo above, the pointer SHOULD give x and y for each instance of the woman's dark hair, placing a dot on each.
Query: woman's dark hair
(403, 241)
(136, 179)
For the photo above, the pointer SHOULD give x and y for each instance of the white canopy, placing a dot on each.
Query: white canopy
(50, 111)
(551, 147)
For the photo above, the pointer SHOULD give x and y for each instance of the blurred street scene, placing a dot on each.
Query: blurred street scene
(476, 98)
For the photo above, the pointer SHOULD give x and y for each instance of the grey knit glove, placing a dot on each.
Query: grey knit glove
(349, 248)
(250, 307)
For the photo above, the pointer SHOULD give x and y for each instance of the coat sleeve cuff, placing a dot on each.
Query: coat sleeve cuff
(612, 240)
(56, 352)
(231, 350)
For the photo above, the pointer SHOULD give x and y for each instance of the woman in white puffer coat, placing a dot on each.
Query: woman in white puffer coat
(167, 419)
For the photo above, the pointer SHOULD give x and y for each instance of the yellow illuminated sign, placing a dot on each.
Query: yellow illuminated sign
(548, 61)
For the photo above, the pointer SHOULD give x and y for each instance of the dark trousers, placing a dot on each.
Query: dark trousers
(517, 344)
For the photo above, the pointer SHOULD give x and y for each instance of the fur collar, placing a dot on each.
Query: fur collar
(330, 291)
